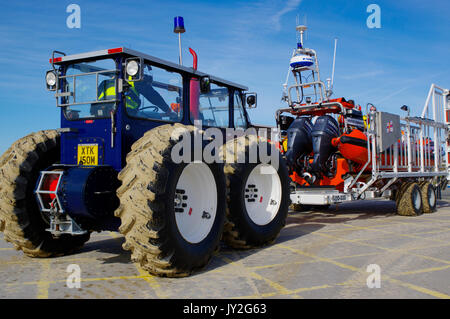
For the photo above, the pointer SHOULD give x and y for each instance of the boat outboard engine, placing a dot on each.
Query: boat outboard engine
(324, 130)
(299, 143)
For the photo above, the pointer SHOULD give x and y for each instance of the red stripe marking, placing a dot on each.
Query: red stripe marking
(260, 200)
(190, 211)
(55, 60)
(116, 50)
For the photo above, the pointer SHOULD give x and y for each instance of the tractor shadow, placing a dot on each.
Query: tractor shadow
(302, 223)
(110, 246)
(298, 224)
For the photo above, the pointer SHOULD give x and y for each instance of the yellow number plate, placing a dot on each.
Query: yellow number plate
(87, 154)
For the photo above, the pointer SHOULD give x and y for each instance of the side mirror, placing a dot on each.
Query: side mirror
(251, 100)
(205, 84)
(405, 108)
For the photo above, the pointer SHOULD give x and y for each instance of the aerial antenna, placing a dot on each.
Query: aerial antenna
(305, 22)
(330, 83)
(334, 61)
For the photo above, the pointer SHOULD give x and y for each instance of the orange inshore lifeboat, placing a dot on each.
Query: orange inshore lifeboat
(352, 146)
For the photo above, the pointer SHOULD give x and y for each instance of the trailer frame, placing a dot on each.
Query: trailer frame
(409, 157)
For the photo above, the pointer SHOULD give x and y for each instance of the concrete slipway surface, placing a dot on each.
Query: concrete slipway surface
(319, 254)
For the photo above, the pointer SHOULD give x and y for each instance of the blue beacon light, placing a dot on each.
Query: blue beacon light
(178, 27)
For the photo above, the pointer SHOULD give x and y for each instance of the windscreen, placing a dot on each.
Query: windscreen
(90, 89)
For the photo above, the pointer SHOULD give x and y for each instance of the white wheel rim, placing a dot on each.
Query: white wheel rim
(195, 202)
(432, 198)
(416, 199)
(262, 194)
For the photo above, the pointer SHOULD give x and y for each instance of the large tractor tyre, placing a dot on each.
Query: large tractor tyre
(258, 195)
(429, 201)
(172, 215)
(20, 218)
(409, 202)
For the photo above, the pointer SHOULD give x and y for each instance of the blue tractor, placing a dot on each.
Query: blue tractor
(111, 165)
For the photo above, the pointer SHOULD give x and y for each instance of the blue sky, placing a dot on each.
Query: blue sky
(248, 42)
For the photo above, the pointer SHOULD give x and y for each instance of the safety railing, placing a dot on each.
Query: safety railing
(66, 93)
(423, 147)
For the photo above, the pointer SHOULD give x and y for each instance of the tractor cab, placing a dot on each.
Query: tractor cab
(110, 98)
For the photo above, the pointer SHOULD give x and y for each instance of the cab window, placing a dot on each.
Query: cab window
(239, 119)
(90, 88)
(211, 108)
(157, 96)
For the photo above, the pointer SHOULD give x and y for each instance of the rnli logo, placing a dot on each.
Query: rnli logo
(389, 127)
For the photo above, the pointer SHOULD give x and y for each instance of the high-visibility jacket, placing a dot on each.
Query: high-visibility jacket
(108, 92)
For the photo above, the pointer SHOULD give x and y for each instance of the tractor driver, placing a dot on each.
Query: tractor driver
(107, 91)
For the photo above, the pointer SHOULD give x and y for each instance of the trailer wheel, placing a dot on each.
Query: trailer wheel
(399, 192)
(172, 213)
(20, 218)
(409, 202)
(428, 197)
(258, 195)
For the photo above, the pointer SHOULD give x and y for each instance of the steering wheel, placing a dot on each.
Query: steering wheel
(154, 107)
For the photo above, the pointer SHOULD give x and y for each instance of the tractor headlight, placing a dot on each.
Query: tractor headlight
(50, 79)
(132, 67)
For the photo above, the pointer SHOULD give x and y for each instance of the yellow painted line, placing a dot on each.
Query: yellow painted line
(433, 232)
(407, 251)
(49, 282)
(420, 289)
(401, 250)
(278, 287)
(434, 219)
(43, 284)
(429, 257)
(393, 233)
(357, 255)
(331, 261)
(54, 260)
(370, 227)
(151, 280)
(422, 220)
(420, 271)
(298, 290)
(281, 265)
(385, 277)
(311, 288)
